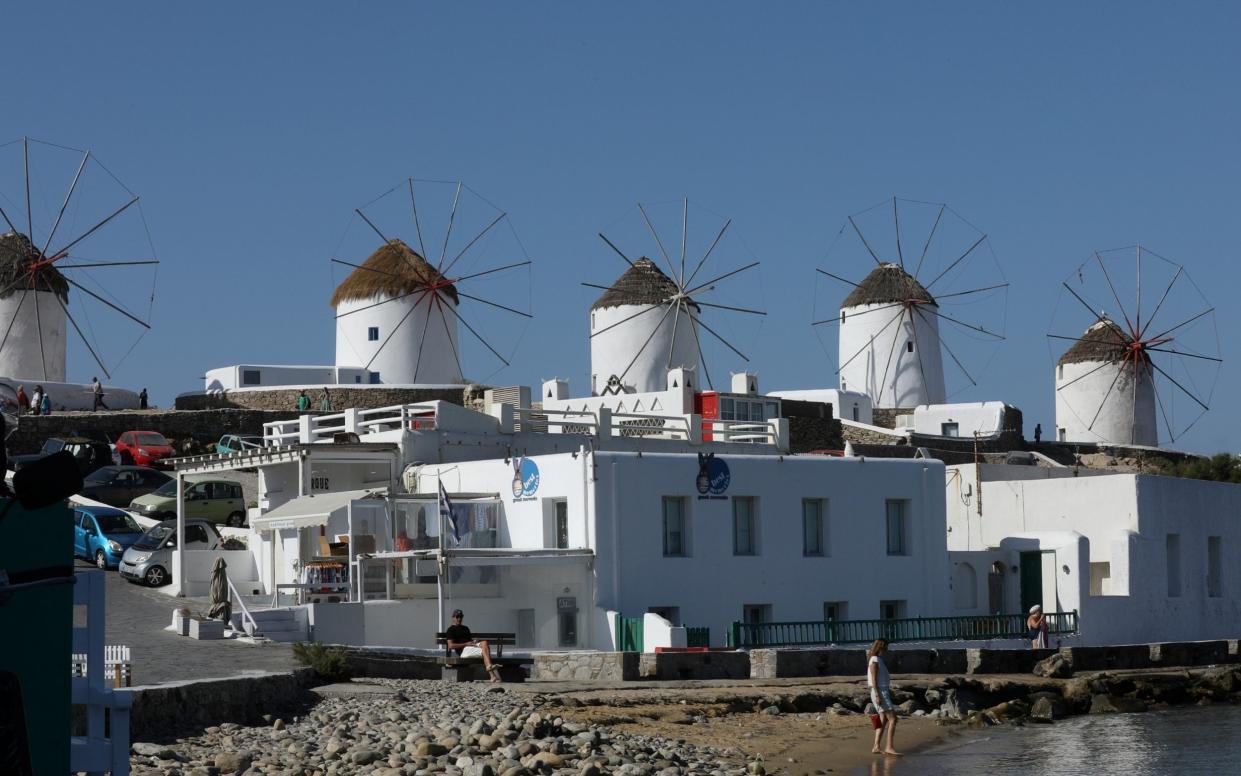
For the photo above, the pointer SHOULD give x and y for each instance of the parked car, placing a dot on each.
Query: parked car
(217, 501)
(118, 486)
(103, 534)
(236, 443)
(89, 455)
(95, 435)
(143, 448)
(149, 559)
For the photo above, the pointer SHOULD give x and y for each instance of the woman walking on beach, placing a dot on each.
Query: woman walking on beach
(877, 680)
(1037, 625)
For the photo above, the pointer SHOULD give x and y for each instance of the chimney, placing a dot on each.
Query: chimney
(555, 389)
(745, 382)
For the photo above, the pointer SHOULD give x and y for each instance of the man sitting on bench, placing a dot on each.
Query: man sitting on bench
(462, 642)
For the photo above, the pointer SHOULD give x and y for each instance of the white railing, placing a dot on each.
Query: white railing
(116, 665)
(308, 429)
(248, 623)
(106, 709)
(753, 432)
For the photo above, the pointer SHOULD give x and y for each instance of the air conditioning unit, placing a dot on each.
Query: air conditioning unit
(516, 395)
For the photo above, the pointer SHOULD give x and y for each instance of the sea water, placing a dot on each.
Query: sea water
(1195, 740)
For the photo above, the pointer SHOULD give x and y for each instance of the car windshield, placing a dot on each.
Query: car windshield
(117, 524)
(150, 438)
(154, 537)
(167, 489)
(52, 446)
(100, 476)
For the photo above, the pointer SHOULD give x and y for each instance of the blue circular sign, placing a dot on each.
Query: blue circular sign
(525, 477)
(713, 475)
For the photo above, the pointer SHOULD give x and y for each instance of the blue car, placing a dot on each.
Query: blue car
(102, 534)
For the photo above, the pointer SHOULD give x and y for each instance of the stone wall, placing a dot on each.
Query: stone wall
(806, 434)
(160, 710)
(886, 417)
(343, 397)
(191, 433)
(694, 665)
(585, 666)
(862, 436)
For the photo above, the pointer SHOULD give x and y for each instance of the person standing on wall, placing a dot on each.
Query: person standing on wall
(23, 401)
(1038, 433)
(36, 400)
(303, 401)
(325, 401)
(45, 404)
(96, 389)
(142, 399)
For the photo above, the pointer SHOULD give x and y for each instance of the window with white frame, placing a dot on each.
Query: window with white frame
(814, 526)
(897, 526)
(676, 544)
(745, 526)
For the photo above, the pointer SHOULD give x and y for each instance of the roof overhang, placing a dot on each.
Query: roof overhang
(307, 511)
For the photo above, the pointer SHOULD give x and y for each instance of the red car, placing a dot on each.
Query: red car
(143, 448)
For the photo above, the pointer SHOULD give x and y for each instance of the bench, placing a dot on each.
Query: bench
(468, 669)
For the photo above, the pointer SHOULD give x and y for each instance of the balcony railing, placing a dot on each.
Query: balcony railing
(813, 633)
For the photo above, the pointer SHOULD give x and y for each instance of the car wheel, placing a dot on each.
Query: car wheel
(101, 560)
(155, 576)
(236, 520)
(127, 459)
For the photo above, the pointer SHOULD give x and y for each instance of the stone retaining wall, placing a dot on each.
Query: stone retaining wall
(694, 665)
(806, 434)
(192, 433)
(343, 397)
(378, 664)
(158, 710)
(585, 666)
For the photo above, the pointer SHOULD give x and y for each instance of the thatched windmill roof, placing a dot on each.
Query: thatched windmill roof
(885, 284)
(643, 283)
(394, 269)
(16, 254)
(1104, 341)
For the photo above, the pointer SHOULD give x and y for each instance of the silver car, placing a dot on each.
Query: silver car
(149, 560)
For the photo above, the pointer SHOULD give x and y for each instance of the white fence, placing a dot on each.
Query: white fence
(600, 423)
(105, 747)
(116, 665)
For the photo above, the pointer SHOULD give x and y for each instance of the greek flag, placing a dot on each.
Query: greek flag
(446, 516)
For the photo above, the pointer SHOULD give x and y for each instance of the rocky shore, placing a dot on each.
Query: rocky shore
(411, 727)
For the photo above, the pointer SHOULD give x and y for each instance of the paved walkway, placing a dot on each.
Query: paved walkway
(137, 616)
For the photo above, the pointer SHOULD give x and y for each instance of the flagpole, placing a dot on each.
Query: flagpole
(439, 561)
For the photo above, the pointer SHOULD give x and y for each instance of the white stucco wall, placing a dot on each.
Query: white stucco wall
(846, 405)
(1097, 402)
(408, 357)
(27, 353)
(612, 350)
(232, 377)
(885, 369)
(984, 418)
(1124, 521)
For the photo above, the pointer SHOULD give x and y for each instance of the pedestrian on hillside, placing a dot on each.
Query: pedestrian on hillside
(36, 400)
(1038, 433)
(96, 389)
(45, 404)
(303, 401)
(878, 680)
(23, 401)
(325, 401)
(1038, 628)
(142, 399)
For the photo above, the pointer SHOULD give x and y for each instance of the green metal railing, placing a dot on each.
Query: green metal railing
(697, 637)
(823, 632)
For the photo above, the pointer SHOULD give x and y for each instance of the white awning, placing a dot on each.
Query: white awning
(305, 511)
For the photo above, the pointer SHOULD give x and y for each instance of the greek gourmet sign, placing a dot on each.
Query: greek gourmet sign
(713, 476)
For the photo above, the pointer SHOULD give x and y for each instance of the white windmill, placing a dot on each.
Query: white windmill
(399, 316)
(1108, 382)
(650, 321)
(63, 216)
(893, 325)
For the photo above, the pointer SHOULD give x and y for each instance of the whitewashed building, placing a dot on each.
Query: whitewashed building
(889, 348)
(1141, 558)
(1100, 396)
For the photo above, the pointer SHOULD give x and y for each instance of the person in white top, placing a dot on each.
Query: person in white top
(877, 680)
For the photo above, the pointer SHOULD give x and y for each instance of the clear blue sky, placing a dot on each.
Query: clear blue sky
(252, 131)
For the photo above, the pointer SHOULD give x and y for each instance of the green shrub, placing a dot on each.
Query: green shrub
(328, 662)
